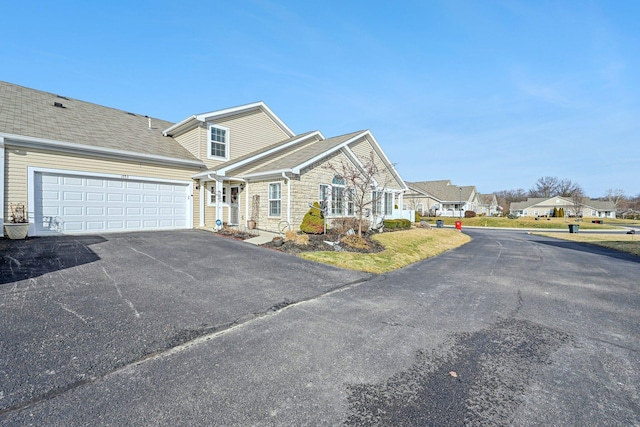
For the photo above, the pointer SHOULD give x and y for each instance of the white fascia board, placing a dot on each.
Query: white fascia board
(269, 152)
(27, 141)
(248, 107)
(298, 168)
(179, 125)
(352, 156)
(386, 159)
(275, 172)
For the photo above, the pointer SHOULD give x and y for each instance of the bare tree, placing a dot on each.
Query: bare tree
(615, 196)
(577, 197)
(547, 186)
(506, 197)
(360, 181)
(567, 188)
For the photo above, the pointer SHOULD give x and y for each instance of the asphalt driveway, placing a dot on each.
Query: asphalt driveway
(510, 329)
(74, 309)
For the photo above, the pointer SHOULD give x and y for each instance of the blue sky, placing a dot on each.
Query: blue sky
(494, 94)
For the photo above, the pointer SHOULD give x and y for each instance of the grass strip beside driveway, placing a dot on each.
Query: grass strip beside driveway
(629, 243)
(401, 249)
(528, 222)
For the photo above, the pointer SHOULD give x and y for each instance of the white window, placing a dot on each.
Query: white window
(323, 194)
(376, 197)
(337, 195)
(420, 208)
(213, 195)
(218, 145)
(275, 199)
(350, 202)
(388, 203)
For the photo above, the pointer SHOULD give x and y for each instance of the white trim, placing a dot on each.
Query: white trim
(284, 175)
(2, 189)
(203, 190)
(227, 141)
(386, 159)
(33, 170)
(268, 152)
(242, 108)
(269, 199)
(26, 141)
(298, 168)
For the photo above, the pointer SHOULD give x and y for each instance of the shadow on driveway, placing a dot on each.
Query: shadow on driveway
(33, 257)
(592, 249)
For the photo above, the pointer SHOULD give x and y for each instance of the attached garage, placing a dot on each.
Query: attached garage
(69, 202)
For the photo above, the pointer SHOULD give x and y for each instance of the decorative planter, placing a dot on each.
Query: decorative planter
(251, 224)
(278, 241)
(16, 231)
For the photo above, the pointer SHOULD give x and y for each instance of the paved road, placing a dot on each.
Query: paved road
(510, 329)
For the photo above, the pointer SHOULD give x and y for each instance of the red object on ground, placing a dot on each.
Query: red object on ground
(459, 225)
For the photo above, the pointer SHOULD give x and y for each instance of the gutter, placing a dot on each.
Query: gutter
(25, 141)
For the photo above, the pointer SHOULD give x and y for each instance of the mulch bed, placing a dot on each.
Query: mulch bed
(317, 243)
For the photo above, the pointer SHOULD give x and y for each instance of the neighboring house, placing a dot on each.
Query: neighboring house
(544, 206)
(86, 168)
(441, 198)
(488, 205)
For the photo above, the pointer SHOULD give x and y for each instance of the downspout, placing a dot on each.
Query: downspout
(247, 214)
(203, 189)
(284, 175)
(2, 207)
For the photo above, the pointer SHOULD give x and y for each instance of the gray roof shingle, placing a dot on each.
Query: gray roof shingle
(31, 113)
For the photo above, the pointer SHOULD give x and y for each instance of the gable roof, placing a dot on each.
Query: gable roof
(37, 117)
(296, 161)
(443, 190)
(487, 199)
(601, 205)
(195, 120)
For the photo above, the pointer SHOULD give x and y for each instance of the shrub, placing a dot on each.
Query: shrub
(290, 235)
(355, 241)
(390, 224)
(301, 239)
(512, 216)
(405, 223)
(469, 214)
(313, 221)
(417, 217)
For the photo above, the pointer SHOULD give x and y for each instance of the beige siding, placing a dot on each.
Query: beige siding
(192, 141)
(248, 131)
(363, 148)
(17, 160)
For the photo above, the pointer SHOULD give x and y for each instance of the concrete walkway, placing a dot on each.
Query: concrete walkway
(262, 238)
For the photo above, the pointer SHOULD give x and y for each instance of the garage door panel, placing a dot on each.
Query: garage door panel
(82, 204)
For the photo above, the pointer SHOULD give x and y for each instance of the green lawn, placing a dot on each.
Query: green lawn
(504, 222)
(401, 249)
(629, 243)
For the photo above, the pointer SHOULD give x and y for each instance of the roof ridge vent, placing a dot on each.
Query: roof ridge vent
(63, 97)
(59, 105)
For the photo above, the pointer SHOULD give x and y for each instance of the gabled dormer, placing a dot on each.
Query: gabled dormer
(224, 135)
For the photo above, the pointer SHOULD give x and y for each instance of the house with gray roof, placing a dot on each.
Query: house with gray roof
(545, 206)
(85, 168)
(488, 205)
(442, 198)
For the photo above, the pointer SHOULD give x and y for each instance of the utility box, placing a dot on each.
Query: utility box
(573, 228)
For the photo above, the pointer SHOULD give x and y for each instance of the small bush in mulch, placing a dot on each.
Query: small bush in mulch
(317, 243)
(235, 233)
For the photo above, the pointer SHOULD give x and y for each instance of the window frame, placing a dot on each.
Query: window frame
(275, 200)
(210, 142)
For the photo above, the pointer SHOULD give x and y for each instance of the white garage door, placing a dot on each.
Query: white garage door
(76, 204)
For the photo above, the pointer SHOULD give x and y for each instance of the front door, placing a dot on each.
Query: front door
(234, 214)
